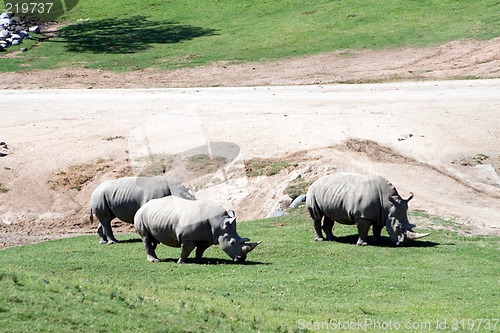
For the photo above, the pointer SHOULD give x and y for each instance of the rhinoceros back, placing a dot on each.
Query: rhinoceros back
(344, 197)
(171, 218)
(124, 196)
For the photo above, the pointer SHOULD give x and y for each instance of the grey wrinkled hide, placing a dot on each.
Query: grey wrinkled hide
(187, 224)
(123, 197)
(349, 198)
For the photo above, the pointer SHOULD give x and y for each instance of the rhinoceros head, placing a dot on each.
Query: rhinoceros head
(235, 246)
(398, 226)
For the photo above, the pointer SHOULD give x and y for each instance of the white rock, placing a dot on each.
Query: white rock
(35, 29)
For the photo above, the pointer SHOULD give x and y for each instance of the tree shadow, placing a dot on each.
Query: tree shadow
(126, 35)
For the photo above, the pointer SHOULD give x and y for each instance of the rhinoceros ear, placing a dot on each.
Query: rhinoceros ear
(394, 200)
(229, 221)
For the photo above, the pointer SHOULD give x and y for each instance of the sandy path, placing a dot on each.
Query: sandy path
(428, 125)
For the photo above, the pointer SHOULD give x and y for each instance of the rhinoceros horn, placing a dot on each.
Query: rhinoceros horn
(411, 235)
(249, 247)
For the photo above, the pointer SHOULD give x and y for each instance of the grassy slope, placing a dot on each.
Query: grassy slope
(77, 285)
(132, 34)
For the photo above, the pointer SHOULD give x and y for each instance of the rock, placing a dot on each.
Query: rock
(301, 198)
(35, 29)
(4, 150)
(278, 213)
(24, 49)
(14, 30)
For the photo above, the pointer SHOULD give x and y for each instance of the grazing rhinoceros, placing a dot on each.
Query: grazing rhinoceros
(190, 224)
(122, 198)
(350, 198)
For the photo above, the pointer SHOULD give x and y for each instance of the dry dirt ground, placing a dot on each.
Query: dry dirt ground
(437, 139)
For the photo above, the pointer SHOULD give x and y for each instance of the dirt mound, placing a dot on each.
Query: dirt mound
(268, 187)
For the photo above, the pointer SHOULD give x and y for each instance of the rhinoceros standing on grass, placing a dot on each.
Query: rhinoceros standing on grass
(190, 224)
(123, 197)
(349, 198)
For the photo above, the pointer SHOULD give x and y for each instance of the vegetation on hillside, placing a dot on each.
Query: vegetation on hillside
(127, 35)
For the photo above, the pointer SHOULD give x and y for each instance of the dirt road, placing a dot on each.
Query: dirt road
(437, 139)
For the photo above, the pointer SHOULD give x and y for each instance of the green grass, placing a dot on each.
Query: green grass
(129, 34)
(289, 282)
(266, 167)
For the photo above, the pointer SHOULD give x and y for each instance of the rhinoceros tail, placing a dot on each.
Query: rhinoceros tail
(91, 217)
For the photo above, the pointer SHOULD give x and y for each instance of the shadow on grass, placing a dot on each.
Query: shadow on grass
(204, 261)
(130, 240)
(126, 35)
(215, 261)
(384, 241)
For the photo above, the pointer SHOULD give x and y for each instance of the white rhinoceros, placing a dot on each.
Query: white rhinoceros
(122, 198)
(188, 224)
(349, 198)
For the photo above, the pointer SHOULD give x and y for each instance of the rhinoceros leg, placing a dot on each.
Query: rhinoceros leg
(317, 216)
(150, 245)
(108, 233)
(104, 230)
(101, 234)
(200, 249)
(363, 227)
(327, 228)
(186, 249)
(377, 230)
